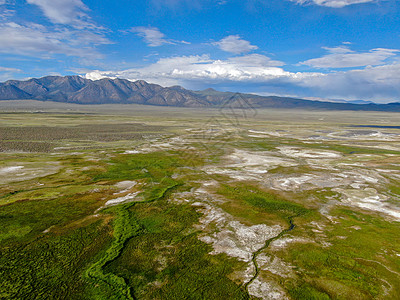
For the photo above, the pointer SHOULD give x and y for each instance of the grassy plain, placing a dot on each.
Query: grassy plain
(136, 202)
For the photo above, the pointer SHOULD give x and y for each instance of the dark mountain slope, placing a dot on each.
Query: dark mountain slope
(12, 92)
(76, 89)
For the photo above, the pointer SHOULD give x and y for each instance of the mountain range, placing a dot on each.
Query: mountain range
(76, 89)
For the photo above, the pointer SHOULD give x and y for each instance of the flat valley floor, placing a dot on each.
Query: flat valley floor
(140, 202)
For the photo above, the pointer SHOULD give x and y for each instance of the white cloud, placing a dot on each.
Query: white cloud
(174, 70)
(67, 12)
(343, 57)
(153, 36)
(332, 3)
(36, 40)
(379, 83)
(8, 73)
(256, 60)
(4, 69)
(259, 73)
(175, 4)
(234, 44)
(72, 32)
(6, 13)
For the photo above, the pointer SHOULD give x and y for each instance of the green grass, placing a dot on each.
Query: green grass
(35, 210)
(167, 261)
(111, 286)
(359, 266)
(48, 193)
(394, 189)
(153, 166)
(150, 249)
(125, 227)
(140, 228)
(345, 274)
(272, 203)
(267, 144)
(50, 267)
(23, 221)
(307, 291)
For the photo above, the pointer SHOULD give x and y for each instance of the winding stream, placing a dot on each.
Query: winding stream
(266, 245)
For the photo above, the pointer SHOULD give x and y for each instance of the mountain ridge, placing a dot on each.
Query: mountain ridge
(79, 90)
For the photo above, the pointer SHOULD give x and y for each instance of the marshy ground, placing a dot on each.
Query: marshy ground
(136, 202)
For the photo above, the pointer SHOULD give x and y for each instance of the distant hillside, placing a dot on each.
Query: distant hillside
(75, 89)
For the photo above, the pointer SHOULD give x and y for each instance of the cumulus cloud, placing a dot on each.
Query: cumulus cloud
(378, 83)
(36, 40)
(260, 73)
(67, 12)
(235, 44)
(153, 36)
(174, 70)
(332, 3)
(255, 60)
(343, 57)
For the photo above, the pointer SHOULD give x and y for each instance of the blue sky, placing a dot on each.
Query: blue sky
(317, 49)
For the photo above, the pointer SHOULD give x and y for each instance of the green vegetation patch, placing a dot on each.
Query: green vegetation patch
(153, 166)
(263, 200)
(48, 193)
(307, 291)
(360, 263)
(50, 267)
(340, 277)
(154, 241)
(167, 261)
(24, 220)
(266, 144)
(110, 285)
